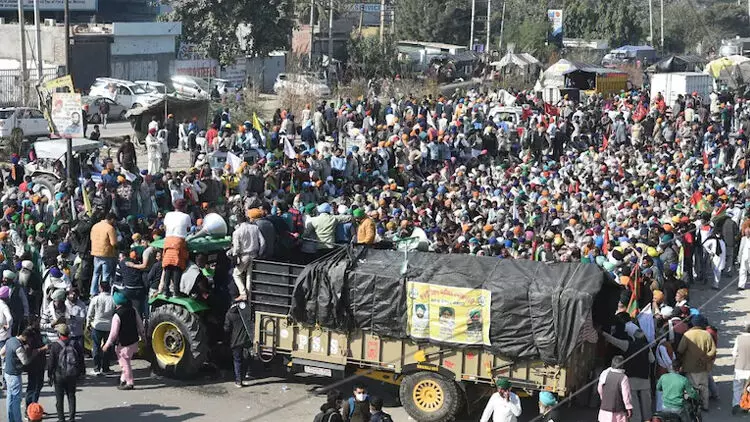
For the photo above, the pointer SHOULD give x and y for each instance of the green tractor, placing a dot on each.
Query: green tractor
(184, 331)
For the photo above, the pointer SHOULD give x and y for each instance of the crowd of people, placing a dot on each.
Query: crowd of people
(653, 193)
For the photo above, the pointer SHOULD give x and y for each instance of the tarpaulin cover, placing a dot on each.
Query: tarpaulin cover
(537, 310)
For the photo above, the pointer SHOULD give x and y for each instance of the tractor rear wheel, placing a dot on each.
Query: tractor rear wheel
(179, 341)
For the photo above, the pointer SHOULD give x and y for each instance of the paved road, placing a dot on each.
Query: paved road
(274, 398)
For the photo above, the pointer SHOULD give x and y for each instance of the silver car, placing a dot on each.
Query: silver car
(116, 111)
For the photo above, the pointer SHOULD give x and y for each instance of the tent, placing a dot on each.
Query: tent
(732, 70)
(677, 63)
(567, 74)
(518, 64)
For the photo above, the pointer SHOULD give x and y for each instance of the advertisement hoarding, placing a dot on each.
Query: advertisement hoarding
(66, 114)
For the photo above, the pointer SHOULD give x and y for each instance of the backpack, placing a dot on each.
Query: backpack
(321, 417)
(68, 360)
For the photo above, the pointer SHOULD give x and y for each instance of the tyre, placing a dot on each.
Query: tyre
(429, 397)
(47, 182)
(136, 105)
(95, 119)
(179, 341)
(122, 114)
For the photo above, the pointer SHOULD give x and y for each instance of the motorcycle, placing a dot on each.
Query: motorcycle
(693, 408)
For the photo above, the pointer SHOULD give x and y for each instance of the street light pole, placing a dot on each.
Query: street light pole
(473, 17)
(22, 40)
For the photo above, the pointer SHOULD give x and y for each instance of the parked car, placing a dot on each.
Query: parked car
(153, 87)
(116, 111)
(302, 83)
(30, 121)
(191, 86)
(129, 94)
(225, 86)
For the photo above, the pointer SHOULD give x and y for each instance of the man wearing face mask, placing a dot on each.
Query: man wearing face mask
(357, 408)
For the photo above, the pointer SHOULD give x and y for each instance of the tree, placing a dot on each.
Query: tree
(431, 21)
(369, 59)
(228, 28)
(592, 19)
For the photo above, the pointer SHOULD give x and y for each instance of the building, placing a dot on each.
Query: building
(123, 50)
(85, 11)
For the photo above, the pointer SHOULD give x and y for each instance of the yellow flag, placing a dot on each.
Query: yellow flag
(256, 123)
(86, 201)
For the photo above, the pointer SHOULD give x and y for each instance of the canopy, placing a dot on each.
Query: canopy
(734, 70)
(56, 148)
(554, 76)
(677, 63)
(520, 60)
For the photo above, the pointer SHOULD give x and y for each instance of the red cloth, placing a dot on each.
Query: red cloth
(175, 252)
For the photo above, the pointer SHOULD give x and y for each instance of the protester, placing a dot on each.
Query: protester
(15, 358)
(504, 405)
(330, 410)
(614, 390)
(357, 407)
(698, 352)
(741, 355)
(376, 411)
(99, 320)
(547, 407)
(675, 388)
(126, 330)
(64, 366)
(237, 324)
(103, 249)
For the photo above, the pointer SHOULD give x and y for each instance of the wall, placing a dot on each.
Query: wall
(143, 50)
(262, 71)
(148, 67)
(53, 43)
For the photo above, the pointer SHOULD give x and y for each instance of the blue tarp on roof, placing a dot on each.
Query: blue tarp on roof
(636, 48)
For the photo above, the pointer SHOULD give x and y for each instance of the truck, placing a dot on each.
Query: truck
(670, 85)
(435, 381)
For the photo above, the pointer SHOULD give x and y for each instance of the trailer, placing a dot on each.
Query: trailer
(434, 380)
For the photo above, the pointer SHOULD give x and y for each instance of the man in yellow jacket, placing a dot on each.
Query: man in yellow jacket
(698, 352)
(366, 228)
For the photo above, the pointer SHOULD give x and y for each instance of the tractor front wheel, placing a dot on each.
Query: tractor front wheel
(179, 341)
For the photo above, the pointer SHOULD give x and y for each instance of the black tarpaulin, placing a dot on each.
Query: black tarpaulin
(537, 310)
(679, 63)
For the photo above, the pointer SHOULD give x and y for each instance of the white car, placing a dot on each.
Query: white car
(153, 87)
(31, 121)
(129, 94)
(191, 86)
(301, 83)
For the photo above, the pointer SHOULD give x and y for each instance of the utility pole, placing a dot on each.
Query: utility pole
(38, 36)
(312, 31)
(330, 33)
(651, 21)
(662, 26)
(22, 39)
(473, 17)
(502, 26)
(489, 11)
(382, 22)
(67, 35)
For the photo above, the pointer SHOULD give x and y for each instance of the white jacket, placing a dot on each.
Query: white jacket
(744, 253)
(6, 320)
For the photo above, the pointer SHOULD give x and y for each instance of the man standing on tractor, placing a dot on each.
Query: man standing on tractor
(175, 256)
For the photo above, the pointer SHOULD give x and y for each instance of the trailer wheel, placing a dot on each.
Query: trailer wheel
(179, 341)
(429, 397)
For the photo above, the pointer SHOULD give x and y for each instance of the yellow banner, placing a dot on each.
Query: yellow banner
(448, 314)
